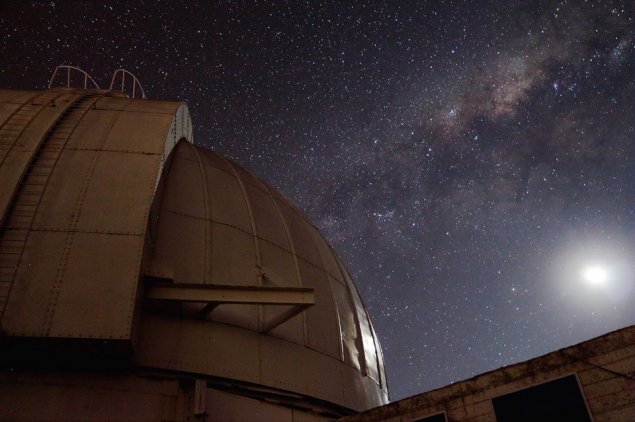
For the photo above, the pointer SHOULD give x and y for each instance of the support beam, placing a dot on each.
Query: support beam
(243, 295)
(207, 309)
(299, 298)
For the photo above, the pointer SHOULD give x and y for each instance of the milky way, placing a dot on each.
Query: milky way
(464, 158)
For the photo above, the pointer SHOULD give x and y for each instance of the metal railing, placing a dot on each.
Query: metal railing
(135, 82)
(68, 76)
(66, 70)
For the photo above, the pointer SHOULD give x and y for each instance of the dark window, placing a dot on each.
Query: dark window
(436, 418)
(558, 400)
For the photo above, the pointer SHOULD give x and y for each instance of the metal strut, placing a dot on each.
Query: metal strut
(213, 295)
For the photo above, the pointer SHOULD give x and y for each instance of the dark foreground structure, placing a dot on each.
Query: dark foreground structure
(591, 381)
(145, 278)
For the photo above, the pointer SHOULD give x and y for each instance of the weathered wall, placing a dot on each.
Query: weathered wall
(597, 363)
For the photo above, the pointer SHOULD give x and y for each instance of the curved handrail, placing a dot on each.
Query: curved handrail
(68, 76)
(135, 82)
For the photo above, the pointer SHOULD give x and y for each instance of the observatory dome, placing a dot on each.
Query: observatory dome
(124, 245)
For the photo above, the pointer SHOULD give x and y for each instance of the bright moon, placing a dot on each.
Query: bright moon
(595, 275)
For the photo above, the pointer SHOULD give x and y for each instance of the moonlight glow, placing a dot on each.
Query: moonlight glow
(595, 275)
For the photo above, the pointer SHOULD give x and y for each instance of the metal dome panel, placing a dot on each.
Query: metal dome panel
(122, 240)
(71, 254)
(241, 232)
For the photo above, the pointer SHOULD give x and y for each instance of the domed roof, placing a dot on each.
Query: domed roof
(219, 224)
(105, 199)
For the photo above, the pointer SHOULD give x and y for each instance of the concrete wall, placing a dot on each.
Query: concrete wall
(604, 367)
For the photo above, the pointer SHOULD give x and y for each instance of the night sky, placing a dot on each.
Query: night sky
(472, 162)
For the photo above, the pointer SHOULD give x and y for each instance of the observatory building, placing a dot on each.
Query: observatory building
(593, 381)
(143, 277)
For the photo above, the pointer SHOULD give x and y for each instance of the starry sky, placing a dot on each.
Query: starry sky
(473, 162)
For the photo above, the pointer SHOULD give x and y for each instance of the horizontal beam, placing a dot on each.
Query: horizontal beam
(245, 295)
